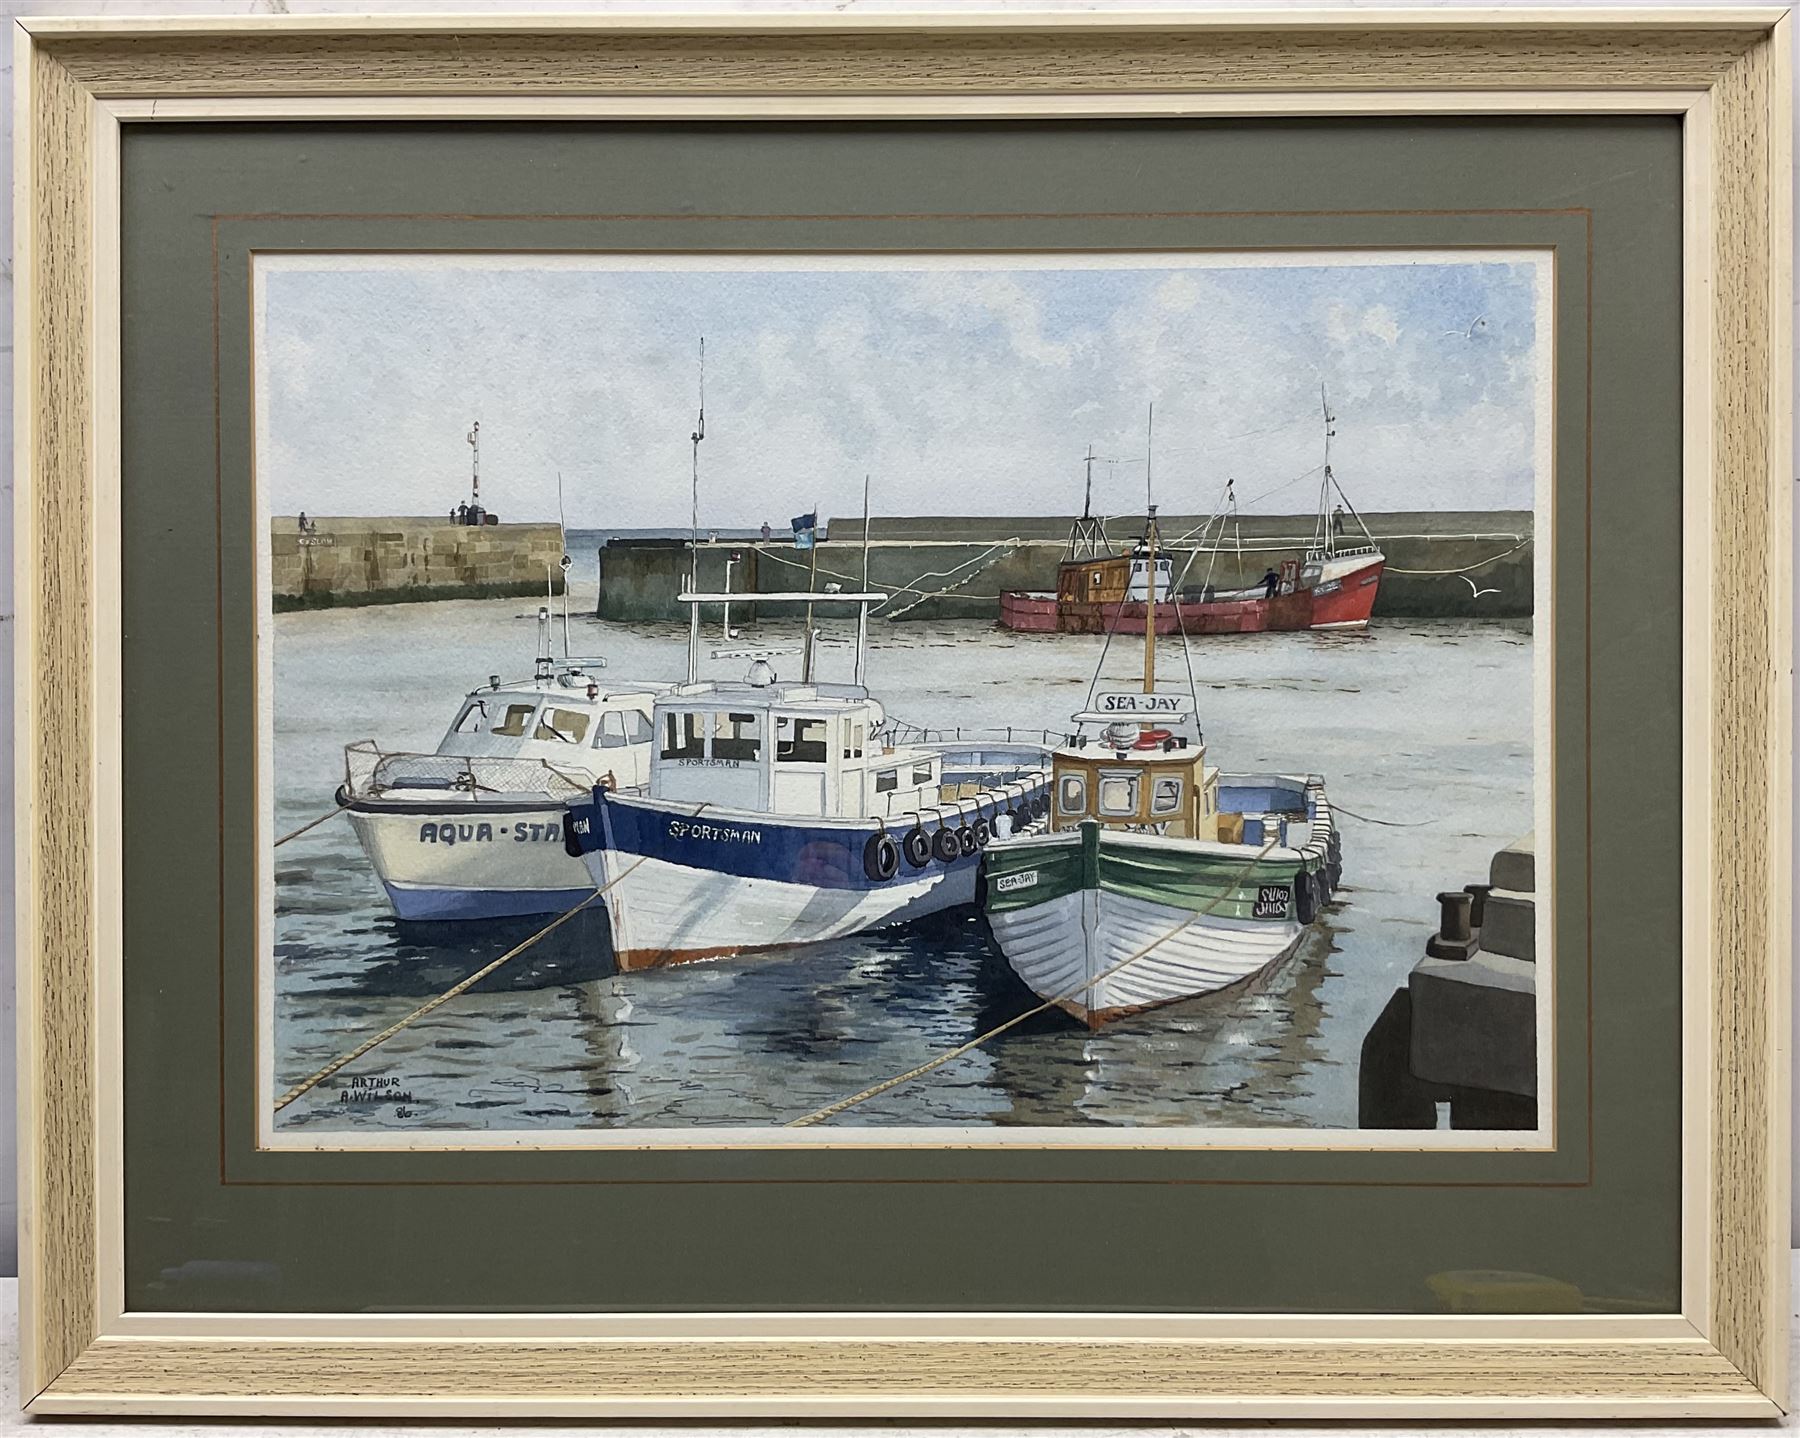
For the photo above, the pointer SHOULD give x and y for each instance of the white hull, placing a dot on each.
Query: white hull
(457, 862)
(1063, 950)
(664, 913)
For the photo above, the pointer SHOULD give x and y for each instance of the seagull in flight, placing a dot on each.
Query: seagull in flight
(1475, 593)
(1476, 325)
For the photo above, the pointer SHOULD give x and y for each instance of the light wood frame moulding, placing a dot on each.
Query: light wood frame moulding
(1725, 72)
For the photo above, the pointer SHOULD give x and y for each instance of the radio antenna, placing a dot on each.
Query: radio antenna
(698, 435)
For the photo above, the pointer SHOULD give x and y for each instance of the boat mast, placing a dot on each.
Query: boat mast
(698, 435)
(862, 613)
(562, 531)
(1150, 541)
(812, 585)
(1325, 534)
(694, 528)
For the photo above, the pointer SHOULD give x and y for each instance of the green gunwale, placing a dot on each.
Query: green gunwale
(1223, 884)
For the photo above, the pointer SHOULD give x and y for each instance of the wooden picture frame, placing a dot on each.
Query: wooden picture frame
(1724, 72)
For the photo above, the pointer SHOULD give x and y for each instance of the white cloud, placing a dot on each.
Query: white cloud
(959, 390)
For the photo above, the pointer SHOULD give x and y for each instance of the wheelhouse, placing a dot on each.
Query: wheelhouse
(798, 749)
(570, 717)
(1166, 787)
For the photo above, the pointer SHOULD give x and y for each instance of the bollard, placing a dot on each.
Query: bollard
(1454, 938)
(1478, 907)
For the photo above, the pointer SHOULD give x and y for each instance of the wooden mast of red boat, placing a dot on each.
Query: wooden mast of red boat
(1150, 577)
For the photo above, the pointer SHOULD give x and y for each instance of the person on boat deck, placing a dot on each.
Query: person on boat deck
(766, 531)
(1337, 520)
(1271, 581)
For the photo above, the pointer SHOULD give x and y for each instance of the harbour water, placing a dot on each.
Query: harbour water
(1424, 725)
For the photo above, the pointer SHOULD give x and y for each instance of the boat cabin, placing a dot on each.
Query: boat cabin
(793, 749)
(1165, 786)
(569, 718)
(1113, 579)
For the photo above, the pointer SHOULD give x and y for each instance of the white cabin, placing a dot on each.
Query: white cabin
(790, 749)
(569, 718)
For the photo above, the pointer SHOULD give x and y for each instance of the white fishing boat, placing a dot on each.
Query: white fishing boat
(474, 830)
(1156, 878)
(779, 814)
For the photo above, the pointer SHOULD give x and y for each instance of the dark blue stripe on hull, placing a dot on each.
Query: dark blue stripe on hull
(790, 852)
(437, 905)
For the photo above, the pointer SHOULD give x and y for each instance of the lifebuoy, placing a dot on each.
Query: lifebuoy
(946, 846)
(1153, 739)
(917, 846)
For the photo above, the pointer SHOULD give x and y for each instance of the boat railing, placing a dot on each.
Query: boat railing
(899, 731)
(370, 772)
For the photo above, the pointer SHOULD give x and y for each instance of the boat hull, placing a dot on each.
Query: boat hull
(1343, 601)
(683, 886)
(1104, 924)
(475, 860)
(1029, 613)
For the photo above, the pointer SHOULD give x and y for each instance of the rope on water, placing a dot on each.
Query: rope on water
(834, 1109)
(311, 824)
(314, 1080)
(1337, 808)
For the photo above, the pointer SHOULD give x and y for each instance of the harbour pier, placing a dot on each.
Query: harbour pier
(1440, 564)
(365, 559)
(1463, 1031)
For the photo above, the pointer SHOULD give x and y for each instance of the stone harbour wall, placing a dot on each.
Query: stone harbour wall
(392, 560)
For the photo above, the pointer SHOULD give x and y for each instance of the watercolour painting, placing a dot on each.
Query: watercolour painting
(956, 698)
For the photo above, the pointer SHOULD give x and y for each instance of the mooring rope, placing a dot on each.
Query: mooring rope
(311, 824)
(1338, 808)
(834, 1109)
(314, 1080)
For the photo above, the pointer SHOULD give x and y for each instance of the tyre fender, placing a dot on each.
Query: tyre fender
(946, 847)
(881, 856)
(1305, 896)
(917, 846)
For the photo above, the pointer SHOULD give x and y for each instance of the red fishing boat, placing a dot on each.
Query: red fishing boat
(1331, 584)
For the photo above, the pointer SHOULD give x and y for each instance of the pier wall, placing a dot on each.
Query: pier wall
(390, 560)
(956, 568)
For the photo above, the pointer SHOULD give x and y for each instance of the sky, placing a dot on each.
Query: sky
(959, 385)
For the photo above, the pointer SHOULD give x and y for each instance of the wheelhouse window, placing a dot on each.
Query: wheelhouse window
(1118, 794)
(887, 781)
(1071, 794)
(513, 722)
(921, 773)
(853, 741)
(737, 737)
(621, 728)
(568, 725)
(684, 736)
(800, 741)
(474, 715)
(1165, 795)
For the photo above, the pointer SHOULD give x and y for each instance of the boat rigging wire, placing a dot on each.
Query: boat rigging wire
(832, 1110)
(312, 1081)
